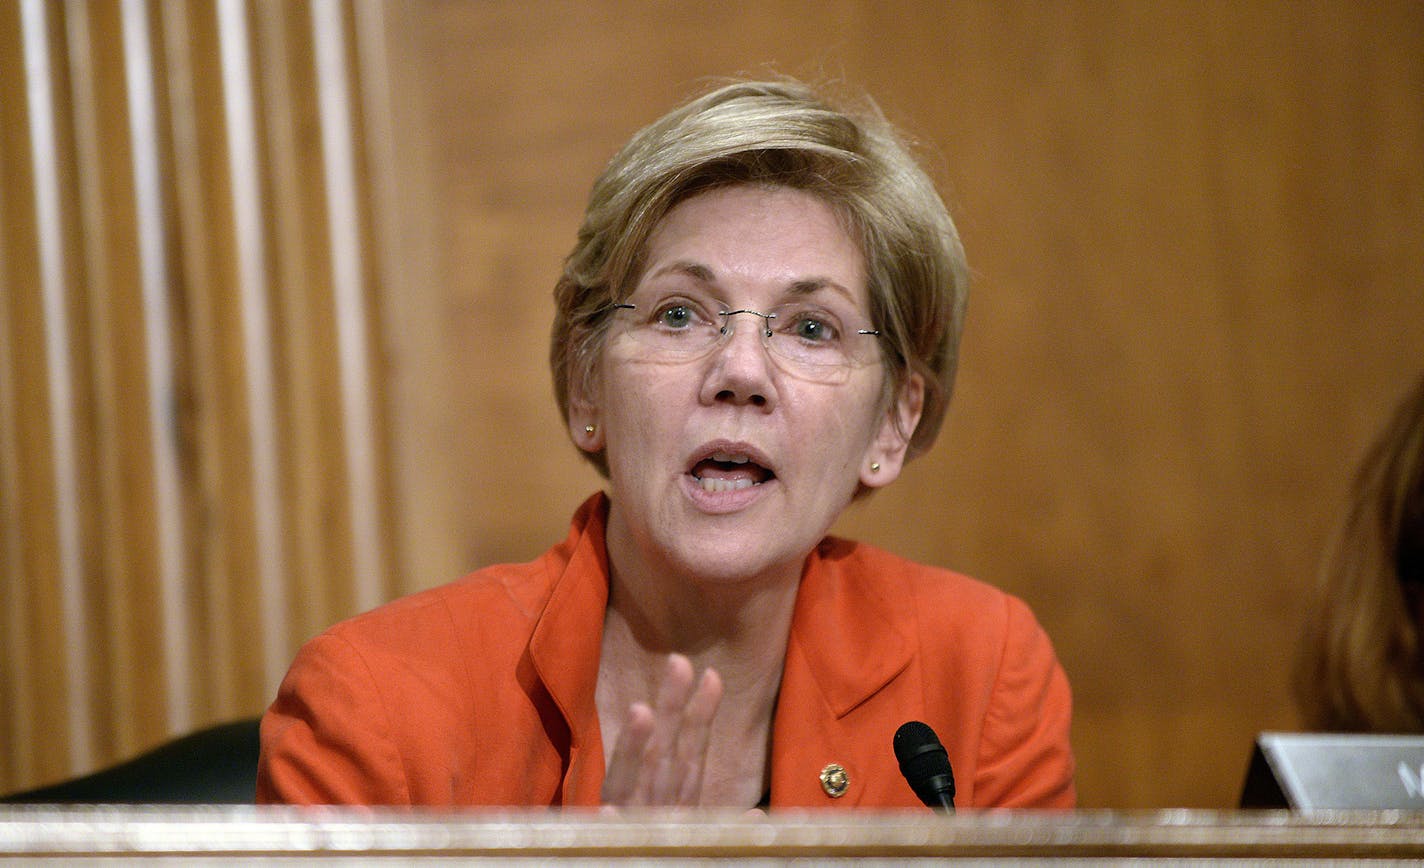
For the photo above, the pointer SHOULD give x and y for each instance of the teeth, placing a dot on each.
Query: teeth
(709, 484)
(731, 457)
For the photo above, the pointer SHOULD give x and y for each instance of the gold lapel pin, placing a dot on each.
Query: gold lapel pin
(834, 780)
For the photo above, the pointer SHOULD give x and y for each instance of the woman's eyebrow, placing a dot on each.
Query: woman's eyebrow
(813, 285)
(695, 270)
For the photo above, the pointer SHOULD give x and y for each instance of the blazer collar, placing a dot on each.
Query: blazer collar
(844, 623)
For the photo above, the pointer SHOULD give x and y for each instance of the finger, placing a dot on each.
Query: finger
(694, 736)
(659, 779)
(620, 780)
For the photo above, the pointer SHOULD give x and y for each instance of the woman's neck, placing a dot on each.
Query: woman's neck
(723, 620)
(739, 629)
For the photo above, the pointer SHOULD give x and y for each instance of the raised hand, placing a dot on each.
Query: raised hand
(662, 749)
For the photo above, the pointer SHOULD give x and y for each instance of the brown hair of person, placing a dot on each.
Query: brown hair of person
(1361, 664)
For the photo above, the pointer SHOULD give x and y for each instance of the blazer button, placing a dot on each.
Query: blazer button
(834, 780)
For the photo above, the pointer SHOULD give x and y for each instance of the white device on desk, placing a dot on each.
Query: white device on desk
(1317, 771)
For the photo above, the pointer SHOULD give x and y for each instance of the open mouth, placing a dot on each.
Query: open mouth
(729, 471)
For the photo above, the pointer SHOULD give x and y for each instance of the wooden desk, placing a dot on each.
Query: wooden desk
(222, 834)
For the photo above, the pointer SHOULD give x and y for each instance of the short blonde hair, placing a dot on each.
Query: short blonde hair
(777, 133)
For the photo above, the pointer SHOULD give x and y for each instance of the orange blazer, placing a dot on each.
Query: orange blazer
(481, 692)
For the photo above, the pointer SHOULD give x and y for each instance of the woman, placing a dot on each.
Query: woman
(758, 324)
(1361, 664)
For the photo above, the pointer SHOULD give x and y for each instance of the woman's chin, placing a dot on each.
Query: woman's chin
(747, 535)
(748, 575)
(755, 554)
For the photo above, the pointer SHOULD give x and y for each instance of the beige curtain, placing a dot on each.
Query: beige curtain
(192, 471)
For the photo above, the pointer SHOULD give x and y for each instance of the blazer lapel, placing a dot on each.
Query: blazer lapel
(564, 649)
(846, 648)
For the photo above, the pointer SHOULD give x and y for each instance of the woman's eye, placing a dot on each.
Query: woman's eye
(813, 329)
(675, 316)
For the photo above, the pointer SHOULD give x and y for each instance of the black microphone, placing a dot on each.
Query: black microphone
(925, 764)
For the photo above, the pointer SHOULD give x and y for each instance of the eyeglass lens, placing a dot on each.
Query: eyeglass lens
(812, 336)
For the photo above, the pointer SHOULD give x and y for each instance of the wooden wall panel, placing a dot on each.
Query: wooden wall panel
(16, 220)
(193, 472)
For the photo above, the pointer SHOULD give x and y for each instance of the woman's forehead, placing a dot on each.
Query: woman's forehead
(790, 241)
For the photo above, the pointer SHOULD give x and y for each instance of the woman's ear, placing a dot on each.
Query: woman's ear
(886, 456)
(584, 417)
(587, 434)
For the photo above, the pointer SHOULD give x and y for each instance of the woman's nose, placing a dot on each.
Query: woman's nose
(742, 371)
